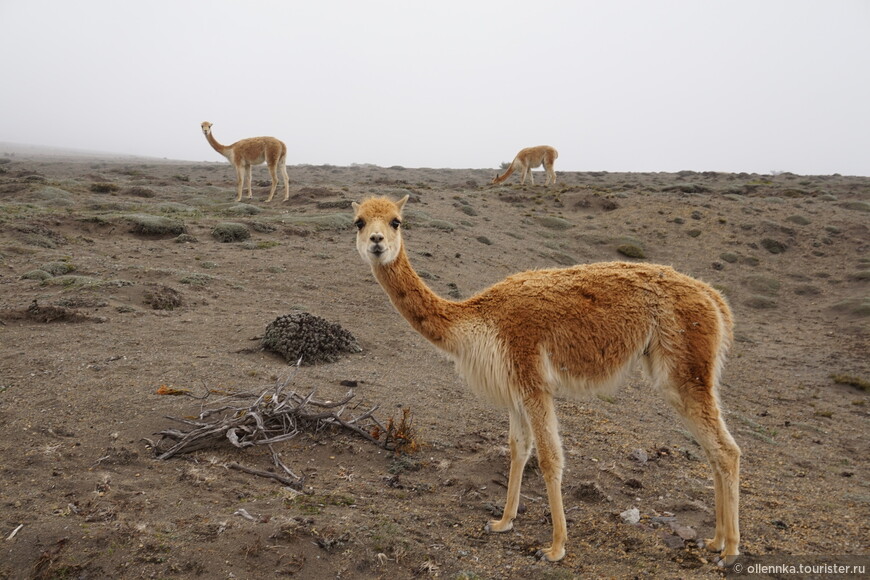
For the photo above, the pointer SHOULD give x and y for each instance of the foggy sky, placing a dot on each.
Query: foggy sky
(755, 85)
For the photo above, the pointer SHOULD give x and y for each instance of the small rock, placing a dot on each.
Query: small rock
(630, 516)
(691, 455)
(692, 505)
(673, 542)
(684, 532)
(773, 246)
(640, 456)
(590, 491)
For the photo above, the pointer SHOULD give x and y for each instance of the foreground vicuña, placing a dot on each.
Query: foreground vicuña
(246, 153)
(528, 159)
(567, 331)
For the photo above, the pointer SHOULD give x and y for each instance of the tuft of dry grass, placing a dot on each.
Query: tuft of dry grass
(104, 187)
(857, 382)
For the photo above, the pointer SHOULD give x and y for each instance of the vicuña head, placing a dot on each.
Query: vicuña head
(380, 239)
(571, 331)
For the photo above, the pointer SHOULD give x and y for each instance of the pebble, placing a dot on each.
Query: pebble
(685, 532)
(640, 456)
(630, 516)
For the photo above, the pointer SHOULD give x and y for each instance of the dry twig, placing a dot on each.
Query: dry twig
(276, 414)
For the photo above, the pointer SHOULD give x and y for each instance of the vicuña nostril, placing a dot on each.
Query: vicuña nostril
(377, 238)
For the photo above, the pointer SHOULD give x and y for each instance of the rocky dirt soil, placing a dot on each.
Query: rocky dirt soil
(124, 282)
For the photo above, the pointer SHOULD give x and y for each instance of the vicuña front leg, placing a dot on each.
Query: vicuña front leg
(545, 427)
(250, 181)
(240, 182)
(520, 440)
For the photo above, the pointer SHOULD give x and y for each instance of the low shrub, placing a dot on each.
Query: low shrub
(228, 232)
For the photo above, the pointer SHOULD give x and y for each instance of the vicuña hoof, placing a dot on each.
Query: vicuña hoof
(726, 560)
(550, 554)
(499, 526)
(714, 545)
(723, 558)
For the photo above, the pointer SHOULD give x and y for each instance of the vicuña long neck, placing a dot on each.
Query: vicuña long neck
(429, 314)
(222, 149)
(507, 173)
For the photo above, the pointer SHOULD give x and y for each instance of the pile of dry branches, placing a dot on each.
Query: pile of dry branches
(275, 415)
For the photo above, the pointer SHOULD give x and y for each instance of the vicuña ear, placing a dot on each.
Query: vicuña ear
(355, 206)
(401, 203)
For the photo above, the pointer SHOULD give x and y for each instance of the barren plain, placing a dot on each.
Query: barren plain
(116, 282)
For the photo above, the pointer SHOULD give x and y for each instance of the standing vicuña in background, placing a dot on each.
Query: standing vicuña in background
(246, 153)
(571, 331)
(528, 159)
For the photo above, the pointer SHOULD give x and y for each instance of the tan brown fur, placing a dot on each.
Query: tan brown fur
(528, 159)
(570, 331)
(244, 154)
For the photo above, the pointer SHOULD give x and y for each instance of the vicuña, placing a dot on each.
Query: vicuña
(570, 331)
(528, 159)
(246, 153)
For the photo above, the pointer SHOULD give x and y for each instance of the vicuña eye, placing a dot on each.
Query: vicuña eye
(360, 224)
(395, 223)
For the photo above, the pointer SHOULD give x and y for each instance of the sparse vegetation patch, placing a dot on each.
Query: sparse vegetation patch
(631, 251)
(153, 225)
(554, 223)
(161, 297)
(853, 381)
(104, 187)
(229, 232)
(308, 338)
(58, 268)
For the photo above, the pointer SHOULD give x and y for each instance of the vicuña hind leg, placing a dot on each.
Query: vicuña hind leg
(283, 163)
(703, 417)
(273, 171)
(520, 440)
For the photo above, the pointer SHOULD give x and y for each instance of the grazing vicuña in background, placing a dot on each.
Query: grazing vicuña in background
(246, 153)
(528, 159)
(543, 333)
